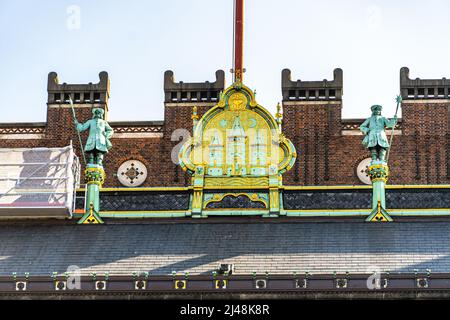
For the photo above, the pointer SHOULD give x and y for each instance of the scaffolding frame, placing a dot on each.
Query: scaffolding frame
(51, 181)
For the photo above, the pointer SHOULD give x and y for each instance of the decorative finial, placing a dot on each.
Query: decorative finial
(194, 113)
(237, 84)
(194, 116)
(278, 115)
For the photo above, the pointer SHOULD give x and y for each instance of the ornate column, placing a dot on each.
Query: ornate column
(197, 198)
(94, 176)
(378, 173)
(274, 190)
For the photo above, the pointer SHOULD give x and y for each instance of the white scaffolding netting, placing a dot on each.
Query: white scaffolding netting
(44, 178)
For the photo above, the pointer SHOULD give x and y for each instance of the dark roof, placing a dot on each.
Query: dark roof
(279, 248)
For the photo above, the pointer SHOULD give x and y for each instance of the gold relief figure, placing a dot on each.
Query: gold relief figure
(237, 102)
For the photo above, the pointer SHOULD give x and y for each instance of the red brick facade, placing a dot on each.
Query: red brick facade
(328, 152)
(419, 155)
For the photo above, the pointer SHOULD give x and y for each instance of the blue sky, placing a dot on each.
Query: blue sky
(135, 41)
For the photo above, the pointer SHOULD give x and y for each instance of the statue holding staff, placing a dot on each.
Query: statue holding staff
(100, 132)
(375, 134)
(376, 141)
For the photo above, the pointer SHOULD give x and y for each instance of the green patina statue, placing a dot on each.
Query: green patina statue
(374, 129)
(376, 141)
(99, 134)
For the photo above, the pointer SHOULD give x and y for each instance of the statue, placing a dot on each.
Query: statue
(99, 134)
(97, 146)
(376, 141)
(374, 129)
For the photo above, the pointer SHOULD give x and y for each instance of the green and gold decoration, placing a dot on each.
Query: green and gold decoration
(94, 177)
(237, 147)
(378, 173)
(91, 217)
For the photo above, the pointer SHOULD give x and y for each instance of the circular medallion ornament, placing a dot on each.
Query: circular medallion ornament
(237, 102)
(362, 171)
(132, 173)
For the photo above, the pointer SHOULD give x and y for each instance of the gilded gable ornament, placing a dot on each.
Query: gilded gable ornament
(237, 144)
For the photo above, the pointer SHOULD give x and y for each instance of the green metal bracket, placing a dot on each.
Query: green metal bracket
(379, 215)
(91, 217)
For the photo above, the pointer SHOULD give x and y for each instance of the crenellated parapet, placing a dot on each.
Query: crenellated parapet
(89, 93)
(311, 90)
(423, 88)
(192, 91)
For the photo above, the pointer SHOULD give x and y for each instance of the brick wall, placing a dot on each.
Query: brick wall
(176, 117)
(420, 153)
(312, 127)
